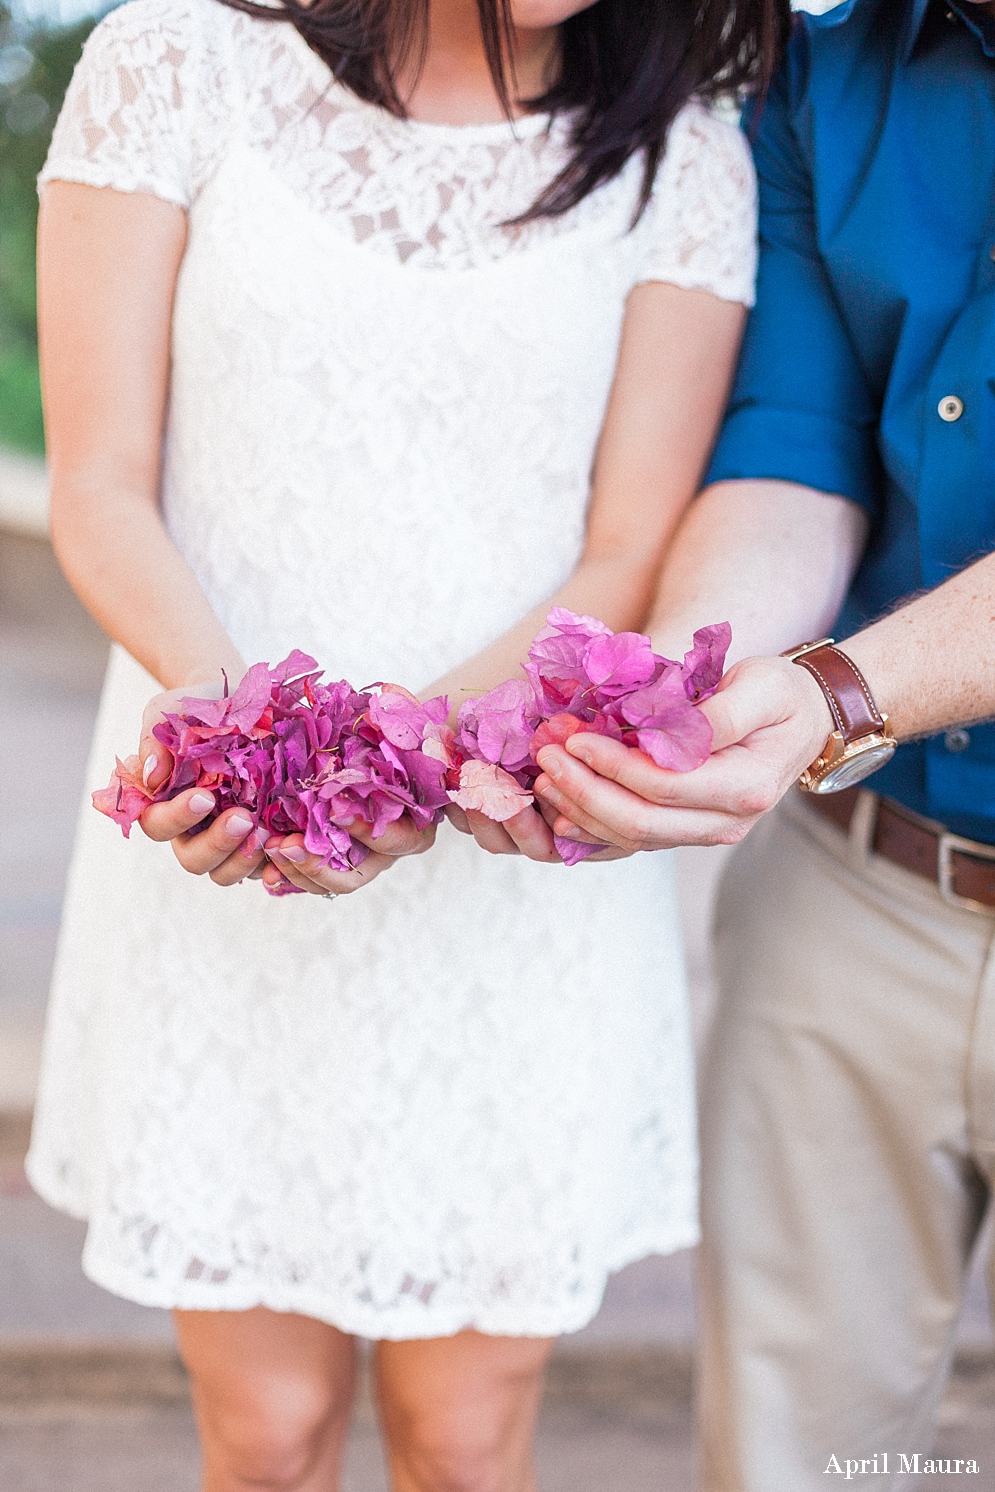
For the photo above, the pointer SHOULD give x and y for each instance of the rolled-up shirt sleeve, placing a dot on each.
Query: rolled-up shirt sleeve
(801, 408)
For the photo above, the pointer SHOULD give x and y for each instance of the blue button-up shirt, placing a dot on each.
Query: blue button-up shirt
(875, 153)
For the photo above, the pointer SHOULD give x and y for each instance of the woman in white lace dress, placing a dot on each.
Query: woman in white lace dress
(317, 375)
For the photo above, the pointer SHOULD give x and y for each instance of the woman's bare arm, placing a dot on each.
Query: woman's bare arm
(676, 360)
(107, 268)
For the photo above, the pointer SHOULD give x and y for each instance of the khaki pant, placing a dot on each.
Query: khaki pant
(848, 1117)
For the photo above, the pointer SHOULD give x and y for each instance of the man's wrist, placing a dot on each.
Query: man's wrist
(861, 740)
(813, 712)
(864, 652)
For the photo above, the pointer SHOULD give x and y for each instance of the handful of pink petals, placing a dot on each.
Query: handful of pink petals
(580, 676)
(301, 757)
(305, 757)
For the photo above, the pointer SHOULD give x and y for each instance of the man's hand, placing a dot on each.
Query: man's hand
(769, 720)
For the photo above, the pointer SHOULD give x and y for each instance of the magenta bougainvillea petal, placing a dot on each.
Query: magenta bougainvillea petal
(573, 851)
(705, 663)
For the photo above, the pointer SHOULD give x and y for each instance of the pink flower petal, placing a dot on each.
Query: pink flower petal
(125, 797)
(556, 730)
(621, 662)
(486, 788)
(573, 851)
(704, 664)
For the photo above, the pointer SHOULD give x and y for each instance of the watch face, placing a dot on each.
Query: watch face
(854, 769)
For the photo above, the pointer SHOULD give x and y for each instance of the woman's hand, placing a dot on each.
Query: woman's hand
(290, 861)
(529, 833)
(526, 834)
(229, 849)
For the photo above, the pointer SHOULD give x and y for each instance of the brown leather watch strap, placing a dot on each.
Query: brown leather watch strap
(853, 709)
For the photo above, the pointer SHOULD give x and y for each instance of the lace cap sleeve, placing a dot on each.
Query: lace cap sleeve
(131, 113)
(701, 225)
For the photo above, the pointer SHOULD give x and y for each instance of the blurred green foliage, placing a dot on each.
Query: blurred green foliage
(36, 63)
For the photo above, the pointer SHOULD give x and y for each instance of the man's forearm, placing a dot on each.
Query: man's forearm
(772, 558)
(931, 664)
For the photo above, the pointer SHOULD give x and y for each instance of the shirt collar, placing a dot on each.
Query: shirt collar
(981, 22)
(912, 23)
(915, 16)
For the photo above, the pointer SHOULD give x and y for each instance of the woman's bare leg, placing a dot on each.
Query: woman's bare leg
(272, 1394)
(459, 1412)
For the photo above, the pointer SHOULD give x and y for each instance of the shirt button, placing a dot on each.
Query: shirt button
(950, 408)
(957, 740)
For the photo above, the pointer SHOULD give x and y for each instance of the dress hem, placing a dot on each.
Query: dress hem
(192, 1296)
(358, 1322)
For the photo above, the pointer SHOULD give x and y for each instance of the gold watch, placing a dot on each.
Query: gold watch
(862, 740)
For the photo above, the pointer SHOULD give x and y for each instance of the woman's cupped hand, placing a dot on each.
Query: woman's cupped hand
(529, 833)
(231, 849)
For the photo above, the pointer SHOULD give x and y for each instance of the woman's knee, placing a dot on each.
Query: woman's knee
(439, 1455)
(459, 1413)
(274, 1437)
(272, 1395)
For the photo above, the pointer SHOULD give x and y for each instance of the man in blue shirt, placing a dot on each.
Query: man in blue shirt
(849, 1099)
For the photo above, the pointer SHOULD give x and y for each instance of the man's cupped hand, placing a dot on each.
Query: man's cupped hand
(769, 721)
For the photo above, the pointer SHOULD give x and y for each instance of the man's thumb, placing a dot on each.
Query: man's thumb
(742, 704)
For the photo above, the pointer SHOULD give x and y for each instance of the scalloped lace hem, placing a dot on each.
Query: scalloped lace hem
(350, 1316)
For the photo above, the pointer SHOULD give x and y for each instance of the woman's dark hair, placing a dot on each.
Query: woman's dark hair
(627, 67)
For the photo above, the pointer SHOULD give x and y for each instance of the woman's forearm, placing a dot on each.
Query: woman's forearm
(617, 591)
(107, 268)
(121, 562)
(676, 358)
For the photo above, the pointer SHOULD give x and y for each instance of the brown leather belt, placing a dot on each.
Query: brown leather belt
(962, 869)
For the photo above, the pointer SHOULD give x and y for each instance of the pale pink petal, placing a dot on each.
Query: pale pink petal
(488, 789)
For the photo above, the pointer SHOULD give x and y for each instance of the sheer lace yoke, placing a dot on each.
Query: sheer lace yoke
(167, 87)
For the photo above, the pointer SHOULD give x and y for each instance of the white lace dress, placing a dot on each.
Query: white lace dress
(464, 1095)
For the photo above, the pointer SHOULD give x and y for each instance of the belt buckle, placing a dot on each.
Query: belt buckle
(951, 844)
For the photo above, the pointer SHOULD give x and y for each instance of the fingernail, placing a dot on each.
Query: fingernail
(571, 832)
(550, 765)
(294, 854)
(201, 803)
(151, 762)
(238, 826)
(550, 795)
(250, 844)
